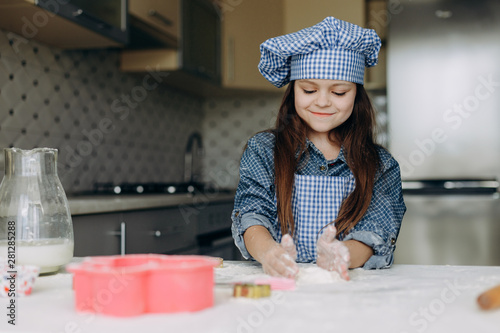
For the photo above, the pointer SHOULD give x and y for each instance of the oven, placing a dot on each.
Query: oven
(214, 232)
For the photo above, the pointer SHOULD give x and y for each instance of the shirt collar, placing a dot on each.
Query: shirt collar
(341, 157)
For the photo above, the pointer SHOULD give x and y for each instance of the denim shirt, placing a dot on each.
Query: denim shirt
(255, 200)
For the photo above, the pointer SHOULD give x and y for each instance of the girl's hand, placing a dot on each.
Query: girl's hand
(333, 255)
(280, 259)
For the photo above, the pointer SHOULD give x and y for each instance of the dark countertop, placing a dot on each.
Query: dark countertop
(93, 204)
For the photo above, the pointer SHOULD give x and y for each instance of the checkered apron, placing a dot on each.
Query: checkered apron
(316, 202)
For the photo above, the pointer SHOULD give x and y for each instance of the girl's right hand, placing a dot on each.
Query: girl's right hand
(280, 259)
(333, 255)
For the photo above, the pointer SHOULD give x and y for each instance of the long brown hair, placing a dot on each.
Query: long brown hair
(356, 135)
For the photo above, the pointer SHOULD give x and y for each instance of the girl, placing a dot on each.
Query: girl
(316, 188)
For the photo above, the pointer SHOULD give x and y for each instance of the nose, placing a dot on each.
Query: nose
(323, 99)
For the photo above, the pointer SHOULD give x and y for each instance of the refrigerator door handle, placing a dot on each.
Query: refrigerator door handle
(451, 186)
(482, 184)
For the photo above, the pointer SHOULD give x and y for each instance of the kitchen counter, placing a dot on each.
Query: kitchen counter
(93, 204)
(405, 298)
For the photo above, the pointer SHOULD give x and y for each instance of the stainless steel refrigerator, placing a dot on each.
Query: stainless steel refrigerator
(443, 94)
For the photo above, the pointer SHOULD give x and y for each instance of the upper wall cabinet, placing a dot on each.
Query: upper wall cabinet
(154, 22)
(378, 19)
(69, 24)
(217, 54)
(194, 62)
(299, 14)
(235, 50)
(249, 23)
(244, 27)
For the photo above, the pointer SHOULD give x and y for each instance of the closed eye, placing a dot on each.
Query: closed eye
(339, 94)
(309, 91)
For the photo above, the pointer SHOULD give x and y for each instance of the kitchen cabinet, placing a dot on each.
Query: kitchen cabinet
(158, 19)
(237, 54)
(97, 234)
(162, 230)
(299, 15)
(378, 18)
(202, 226)
(29, 21)
(193, 63)
(244, 27)
(214, 231)
(240, 47)
(215, 217)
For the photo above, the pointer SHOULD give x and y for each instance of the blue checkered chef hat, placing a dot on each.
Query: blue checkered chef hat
(332, 49)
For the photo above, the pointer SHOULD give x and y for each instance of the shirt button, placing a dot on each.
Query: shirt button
(236, 214)
(322, 168)
(393, 241)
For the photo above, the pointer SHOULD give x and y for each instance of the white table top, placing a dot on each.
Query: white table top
(404, 298)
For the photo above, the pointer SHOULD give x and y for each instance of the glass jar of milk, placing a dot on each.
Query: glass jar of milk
(35, 221)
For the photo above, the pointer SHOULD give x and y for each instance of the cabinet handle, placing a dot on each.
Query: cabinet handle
(79, 13)
(122, 238)
(168, 231)
(122, 235)
(154, 13)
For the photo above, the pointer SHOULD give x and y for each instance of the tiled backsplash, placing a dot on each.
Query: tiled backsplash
(227, 126)
(106, 126)
(109, 128)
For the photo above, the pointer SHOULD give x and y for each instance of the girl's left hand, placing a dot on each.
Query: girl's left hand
(333, 255)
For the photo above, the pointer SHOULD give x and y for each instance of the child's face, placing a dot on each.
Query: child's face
(324, 104)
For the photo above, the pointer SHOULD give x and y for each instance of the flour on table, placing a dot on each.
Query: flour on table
(316, 275)
(309, 274)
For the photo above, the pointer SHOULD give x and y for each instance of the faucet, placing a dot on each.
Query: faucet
(188, 157)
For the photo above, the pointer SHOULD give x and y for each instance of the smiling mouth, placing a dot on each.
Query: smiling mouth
(319, 114)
